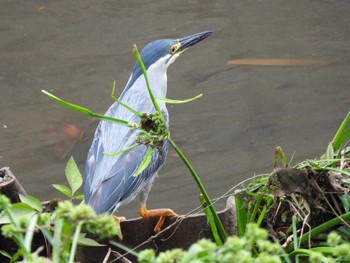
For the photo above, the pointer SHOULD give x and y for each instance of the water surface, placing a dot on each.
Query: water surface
(77, 49)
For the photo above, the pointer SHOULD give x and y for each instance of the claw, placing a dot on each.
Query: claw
(163, 213)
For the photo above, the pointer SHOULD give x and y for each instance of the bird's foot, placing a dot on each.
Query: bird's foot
(163, 213)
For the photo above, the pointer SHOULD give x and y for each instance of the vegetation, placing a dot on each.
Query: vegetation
(297, 214)
(153, 131)
(294, 214)
(61, 229)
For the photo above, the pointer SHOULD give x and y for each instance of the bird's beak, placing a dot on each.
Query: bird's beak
(190, 41)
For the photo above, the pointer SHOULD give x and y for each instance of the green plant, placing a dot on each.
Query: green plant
(22, 221)
(75, 181)
(153, 137)
(253, 246)
(304, 203)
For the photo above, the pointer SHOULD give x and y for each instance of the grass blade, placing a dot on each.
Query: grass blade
(242, 216)
(122, 103)
(178, 101)
(210, 205)
(56, 246)
(319, 229)
(122, 151)
(144, 72)
(85, 110)
(145, 162)
(30, 233)
(211, 221)
(338, 138)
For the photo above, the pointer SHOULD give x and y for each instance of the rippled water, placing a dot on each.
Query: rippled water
(77, 49)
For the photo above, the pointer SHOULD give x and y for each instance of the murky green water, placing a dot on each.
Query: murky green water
(77, 49)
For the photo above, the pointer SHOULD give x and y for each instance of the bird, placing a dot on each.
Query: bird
(108, 180)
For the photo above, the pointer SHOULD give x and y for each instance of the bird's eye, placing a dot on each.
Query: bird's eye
(173, 49)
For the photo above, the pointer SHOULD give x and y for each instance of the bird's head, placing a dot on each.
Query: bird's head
(160, 54)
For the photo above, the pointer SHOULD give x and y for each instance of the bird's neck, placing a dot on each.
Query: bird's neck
(158, 83)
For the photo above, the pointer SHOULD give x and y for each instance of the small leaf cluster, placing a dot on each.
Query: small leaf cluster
(75, 181)
(153, 130)
(252, 247)
(61, 229)
(103, 225)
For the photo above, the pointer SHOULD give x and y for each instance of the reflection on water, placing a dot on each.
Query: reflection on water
(76, 50)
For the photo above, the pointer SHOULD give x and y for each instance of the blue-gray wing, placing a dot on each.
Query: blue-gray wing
(119, 186)
(109, 180)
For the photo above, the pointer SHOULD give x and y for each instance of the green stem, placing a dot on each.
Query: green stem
(211, 221)
(123, 104)
(75, 242)
(337, 137)
(202, 189)
(56, 241)
(319, 229)
(18, 236)
(85, 111)
(143, 69)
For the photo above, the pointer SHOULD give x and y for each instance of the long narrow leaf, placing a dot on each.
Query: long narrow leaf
(211, 221)
(295, 234)
(179, 101)
(122, 151)
(256, 208)
(85, 110)
(144, 72)
(242, 217)
(30, 233)
(338, 139)
(122, 103)
(57, 242)
(264, 210)
(320, 228)
(145, 162)
(218, 223)
(330, 151)
(75, 242)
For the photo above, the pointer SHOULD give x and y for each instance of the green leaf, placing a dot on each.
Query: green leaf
(211, 221)
(30, 232)
(79, 196)
(85, 241)
(32, 201)
(63, 189)
(242, 216)
(123, 104)
(84, 110)
(330, 152)
(341, 135)
(73, 175)
(345, 200)
(178, 101)
(5, 254)
(17, 210)
(57, 241)
(145, 162)
(144, 72)
(122, 151)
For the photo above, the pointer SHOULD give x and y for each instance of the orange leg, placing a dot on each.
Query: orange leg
(119, 219)
(163, 213)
